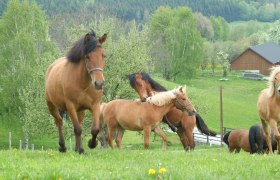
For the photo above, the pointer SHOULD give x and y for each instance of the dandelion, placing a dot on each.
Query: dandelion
(152, 171)
(162, 170)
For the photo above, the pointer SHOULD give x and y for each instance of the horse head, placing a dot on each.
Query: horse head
(94, 58)
(182, 101)
(274, 81)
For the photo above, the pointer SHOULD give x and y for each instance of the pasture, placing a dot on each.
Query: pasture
(215, 163)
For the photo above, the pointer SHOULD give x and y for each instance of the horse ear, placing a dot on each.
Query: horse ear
(103, 38)
(87, 38)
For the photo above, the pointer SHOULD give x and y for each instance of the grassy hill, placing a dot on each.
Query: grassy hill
(239, 110)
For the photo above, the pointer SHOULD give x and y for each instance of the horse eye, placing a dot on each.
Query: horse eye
(183, 99)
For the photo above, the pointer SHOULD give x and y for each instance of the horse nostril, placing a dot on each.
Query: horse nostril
(98, 85)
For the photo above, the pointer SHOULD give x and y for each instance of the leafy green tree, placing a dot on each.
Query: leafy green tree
(204, 26)
(25, 50)
(177, 30)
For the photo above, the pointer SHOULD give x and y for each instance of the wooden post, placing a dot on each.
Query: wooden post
(221, 114)
(32, 147)
(20, 144)
(70, 143)
(10, 140)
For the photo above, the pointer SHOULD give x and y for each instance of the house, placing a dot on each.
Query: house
(258, 58)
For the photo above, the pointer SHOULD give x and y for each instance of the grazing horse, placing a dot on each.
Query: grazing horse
(123, 114)
(257, 140)
(269, 107)
(237, 139)
(145, 86)
(74, 84)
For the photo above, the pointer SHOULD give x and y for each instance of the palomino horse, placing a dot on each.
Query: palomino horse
(145, 86)
(74, 84)
(269, 107)
(123, 114)
(237, 139)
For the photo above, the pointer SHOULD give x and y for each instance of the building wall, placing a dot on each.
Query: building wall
(249, 60)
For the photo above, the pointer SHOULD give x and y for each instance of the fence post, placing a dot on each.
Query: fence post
(26, 141)
(42, 148)
(10, 140)
(221, 113)
(32, 147)
(70, 141)
(207, 139)
(20, 144)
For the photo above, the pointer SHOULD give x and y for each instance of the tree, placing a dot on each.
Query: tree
(177, 30)
(223, 61)
(204, 26)
(25, 51)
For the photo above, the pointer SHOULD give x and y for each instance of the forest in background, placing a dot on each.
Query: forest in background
(174, 42)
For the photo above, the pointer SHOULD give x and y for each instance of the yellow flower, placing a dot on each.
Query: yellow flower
(152, 171)
(162, 170)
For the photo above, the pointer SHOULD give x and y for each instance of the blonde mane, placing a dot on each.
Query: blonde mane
(165, 97)
(274, 70)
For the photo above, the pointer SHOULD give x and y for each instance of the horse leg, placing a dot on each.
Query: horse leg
(188, 123)
(77, 128)
(59, 123)
(159, 132)
(111, 132)
(119, 138)
(92, 143)
(273, 125)
(147, 131)
(267, 134)
(183, 139)
(237, 150)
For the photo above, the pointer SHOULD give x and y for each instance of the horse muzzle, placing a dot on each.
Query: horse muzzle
(98, 85)
(190, 112)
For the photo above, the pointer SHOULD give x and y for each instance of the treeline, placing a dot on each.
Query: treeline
(230, 10)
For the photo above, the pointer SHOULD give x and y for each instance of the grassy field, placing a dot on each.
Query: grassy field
(215, 163)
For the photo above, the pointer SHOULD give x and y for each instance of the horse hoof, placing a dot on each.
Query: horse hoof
(92, 144)
(80, 150)
(62, 149)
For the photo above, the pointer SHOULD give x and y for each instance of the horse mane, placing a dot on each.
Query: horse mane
(225, 138)
(82, 48)
(155, 85)
(274, 70)
(163, 98)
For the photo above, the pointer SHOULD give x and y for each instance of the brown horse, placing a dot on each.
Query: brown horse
(145, 86)
(123, 114)
(237, 139)
(269, 107)
(74, 84)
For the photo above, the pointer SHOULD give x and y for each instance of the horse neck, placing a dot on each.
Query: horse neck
(83, 76)
(166, 108)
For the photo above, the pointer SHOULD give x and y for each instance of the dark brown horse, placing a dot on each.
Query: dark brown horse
(145, 86)
(121, 114)
(74, 84)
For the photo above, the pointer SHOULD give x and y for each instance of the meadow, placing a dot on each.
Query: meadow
(214, 163)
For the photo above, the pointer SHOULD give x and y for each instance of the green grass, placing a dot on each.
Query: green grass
(214, 163)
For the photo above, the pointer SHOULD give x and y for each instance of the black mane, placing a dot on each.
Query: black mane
(82, 47)
(156, 86)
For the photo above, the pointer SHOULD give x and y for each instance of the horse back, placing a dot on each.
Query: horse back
(239, 139)
(129, 115)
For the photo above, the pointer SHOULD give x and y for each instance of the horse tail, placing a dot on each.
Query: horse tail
(202, 127)
(254, 133)
(225, 138)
